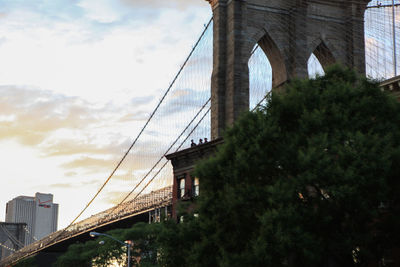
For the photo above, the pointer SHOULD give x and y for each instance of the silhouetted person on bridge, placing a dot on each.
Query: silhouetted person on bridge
(192, 144)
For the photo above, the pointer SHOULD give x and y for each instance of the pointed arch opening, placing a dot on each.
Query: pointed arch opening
(324, 55)
(266, 70)
(279, 73)
(314, 67)
(320, 59)
(260, 77)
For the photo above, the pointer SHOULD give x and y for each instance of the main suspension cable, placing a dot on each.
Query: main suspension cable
(144, 127)
(170, 147)
(162, 167)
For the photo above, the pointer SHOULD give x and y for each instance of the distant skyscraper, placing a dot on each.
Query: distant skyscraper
(38, 212)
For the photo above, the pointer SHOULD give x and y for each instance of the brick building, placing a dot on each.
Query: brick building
(186, 187)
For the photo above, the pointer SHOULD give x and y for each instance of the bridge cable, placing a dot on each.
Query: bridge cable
(162, 167)
(170, 147)
(4, 246)
(383, 6)
(140, 133)
(176, 140)
(143, 128)
(12, 237)
(254, 49)
(155, 165)
(187, 137)
(29, 233)
(265, 97)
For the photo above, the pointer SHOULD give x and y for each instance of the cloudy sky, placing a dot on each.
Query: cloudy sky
(77, 80)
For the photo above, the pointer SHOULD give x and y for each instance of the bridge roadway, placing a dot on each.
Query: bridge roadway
(123, 216)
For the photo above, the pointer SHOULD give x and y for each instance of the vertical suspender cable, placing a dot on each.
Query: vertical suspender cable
(144, 127)
(394, 39)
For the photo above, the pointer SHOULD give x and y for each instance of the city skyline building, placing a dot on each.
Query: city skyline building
(38, 212)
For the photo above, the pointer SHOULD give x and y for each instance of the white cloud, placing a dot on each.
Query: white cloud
(77, 58)
(103, 11)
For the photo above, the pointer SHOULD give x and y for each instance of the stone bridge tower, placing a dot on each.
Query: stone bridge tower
(288, 31)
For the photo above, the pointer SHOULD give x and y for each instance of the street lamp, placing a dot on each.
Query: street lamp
(128, 245)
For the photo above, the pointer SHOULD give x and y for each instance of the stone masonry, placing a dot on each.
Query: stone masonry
(288, 31)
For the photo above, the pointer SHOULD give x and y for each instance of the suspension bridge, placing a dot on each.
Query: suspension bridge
(184, 111)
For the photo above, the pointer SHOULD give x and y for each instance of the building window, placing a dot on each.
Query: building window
(196, 187)
(182, 188)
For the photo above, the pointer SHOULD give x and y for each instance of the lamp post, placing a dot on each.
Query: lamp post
(128, 245)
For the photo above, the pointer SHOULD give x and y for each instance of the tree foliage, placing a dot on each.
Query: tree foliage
(310, 179)
(27, 262)
(158, 244)
(104, 251)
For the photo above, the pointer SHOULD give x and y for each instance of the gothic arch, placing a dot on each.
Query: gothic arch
(323, 53)
(274, 55)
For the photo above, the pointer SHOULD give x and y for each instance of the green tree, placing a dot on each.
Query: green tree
(92, 253)
(158, 244)
(28, 262)
(311, 179)
(79, 255)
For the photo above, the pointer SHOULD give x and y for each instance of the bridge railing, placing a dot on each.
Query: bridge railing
(155, 199)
